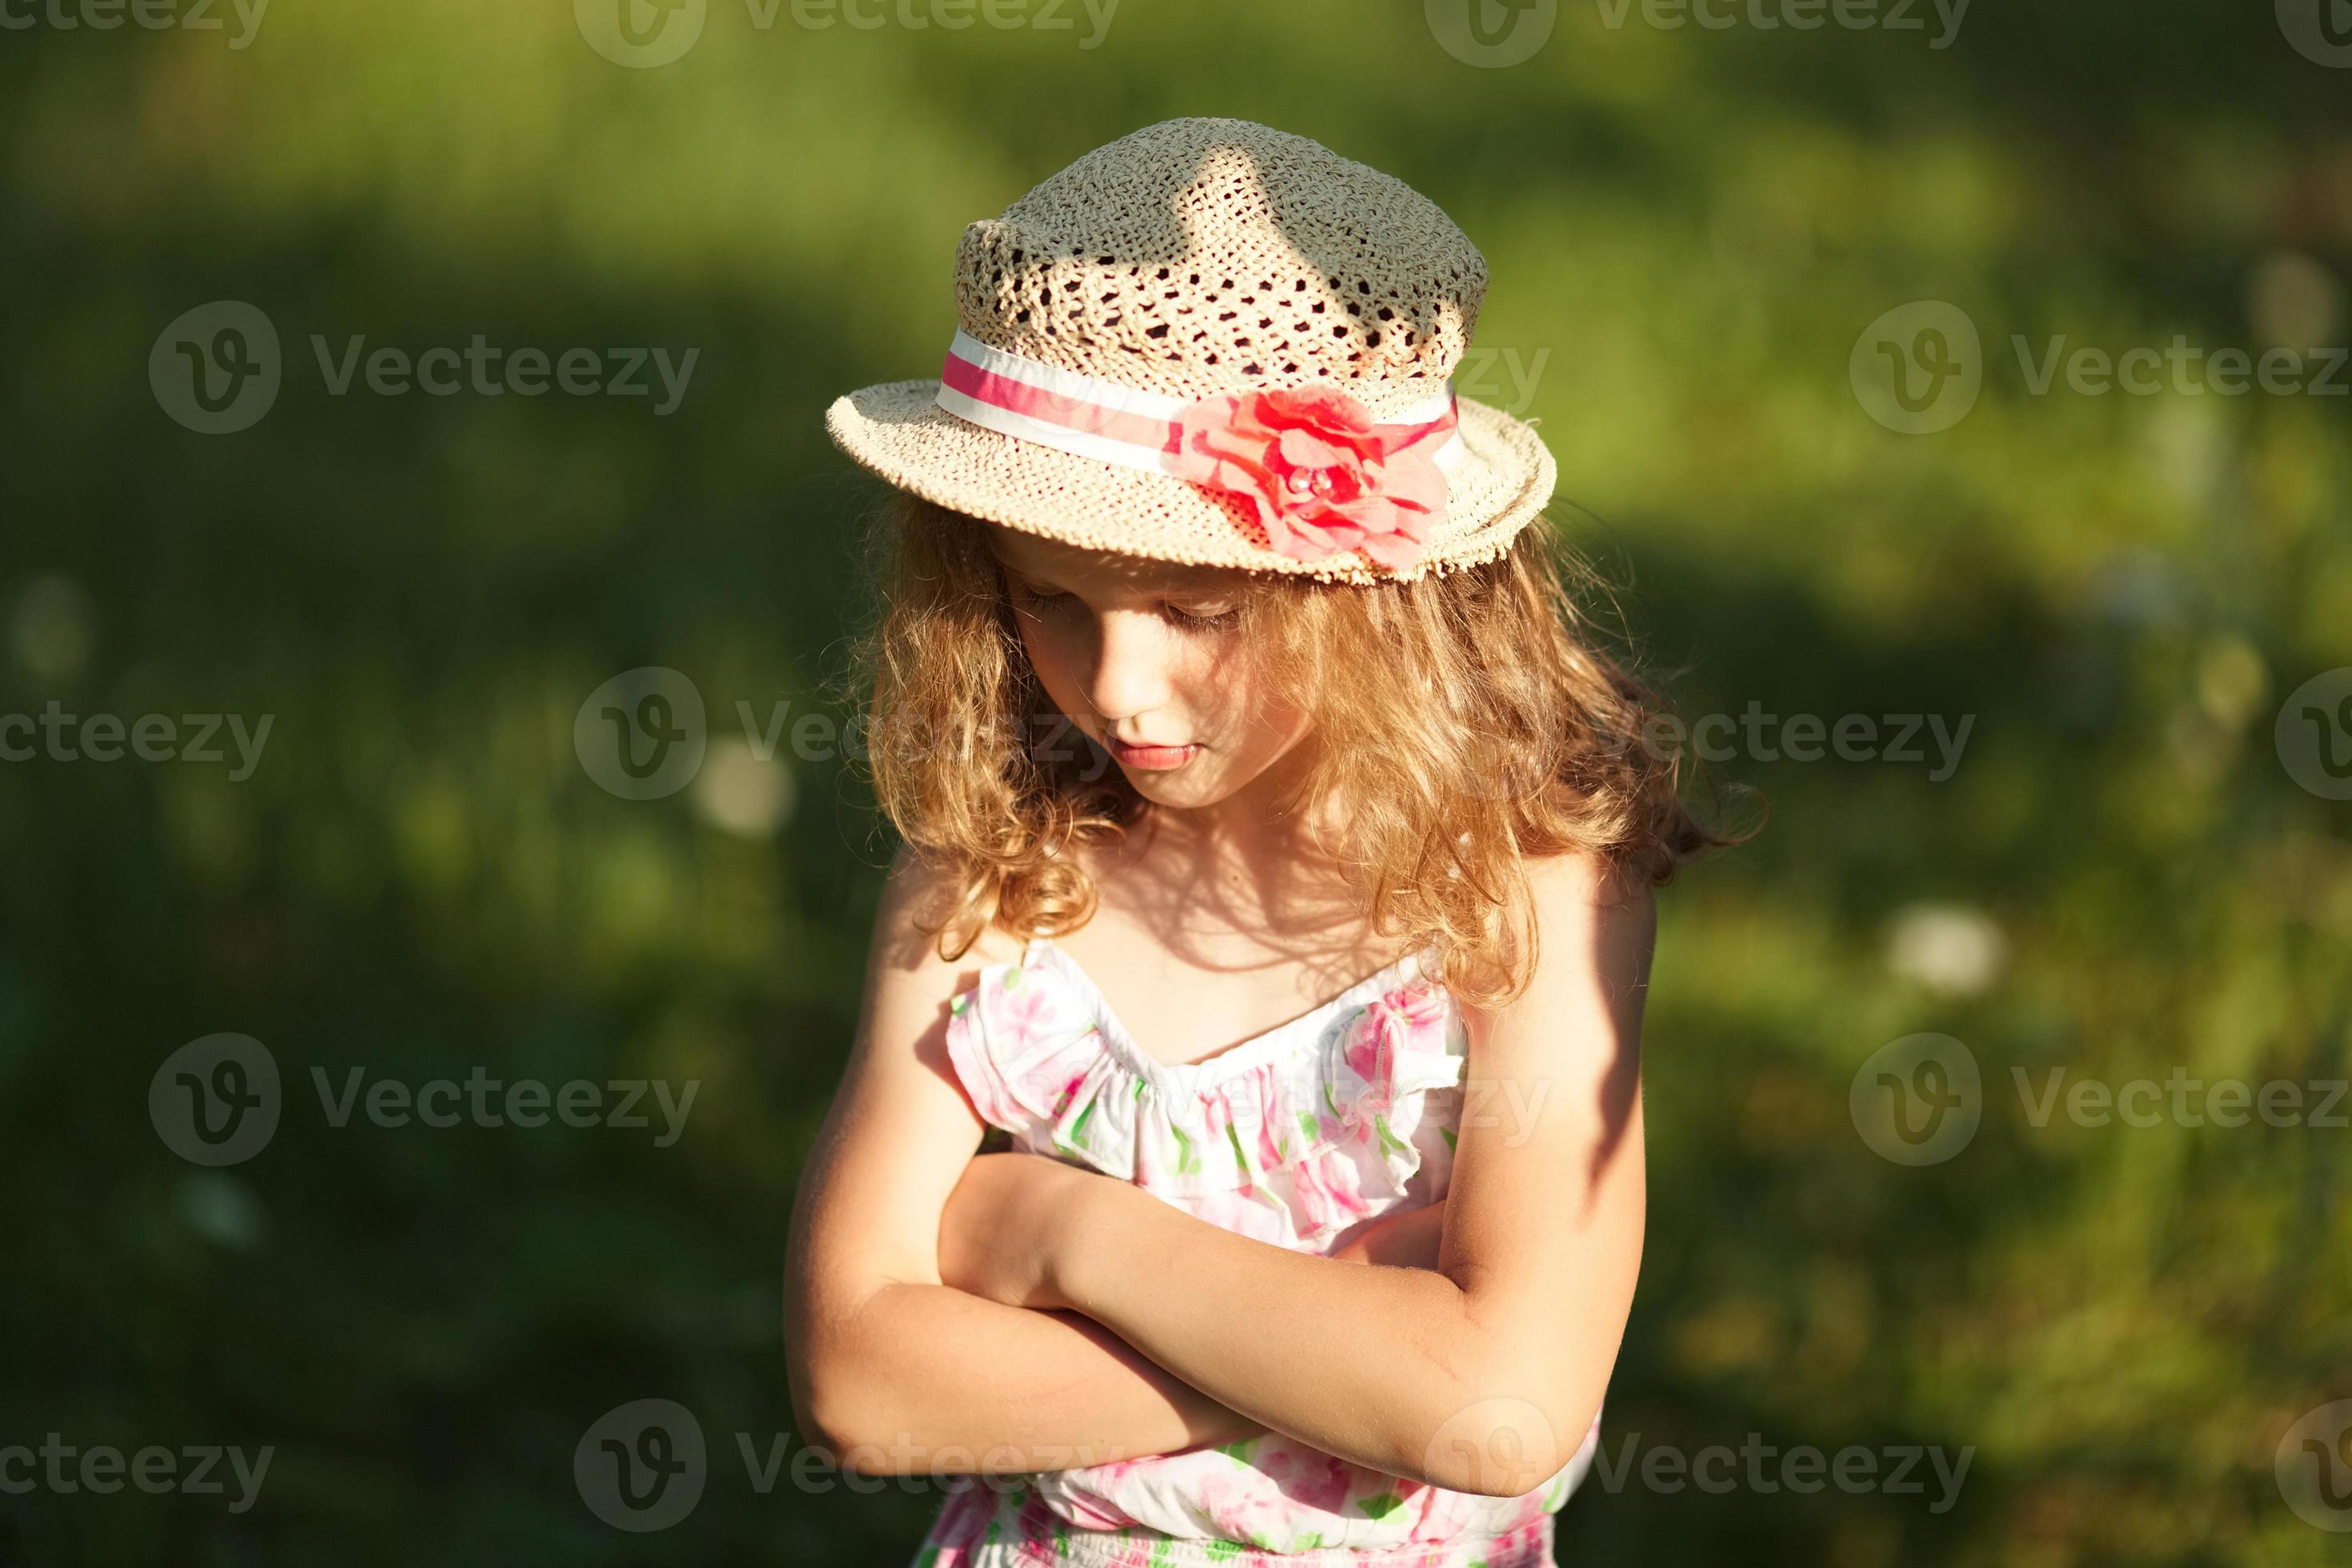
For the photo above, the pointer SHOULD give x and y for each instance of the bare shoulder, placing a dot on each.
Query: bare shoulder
(917, 894)
(1595, 934)
(1586, 899)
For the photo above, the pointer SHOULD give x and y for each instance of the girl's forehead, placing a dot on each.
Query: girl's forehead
(1033, 555)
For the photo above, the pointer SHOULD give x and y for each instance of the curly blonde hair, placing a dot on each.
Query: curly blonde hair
(1466, 728)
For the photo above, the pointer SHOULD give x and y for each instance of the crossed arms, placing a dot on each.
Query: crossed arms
(950, 1314)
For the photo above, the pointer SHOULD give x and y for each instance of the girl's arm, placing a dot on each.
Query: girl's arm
(893, 1371)
(1483, 1375)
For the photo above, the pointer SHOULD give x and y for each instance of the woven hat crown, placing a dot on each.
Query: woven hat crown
(1200, 257)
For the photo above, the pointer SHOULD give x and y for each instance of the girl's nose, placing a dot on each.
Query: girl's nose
(1130, 673)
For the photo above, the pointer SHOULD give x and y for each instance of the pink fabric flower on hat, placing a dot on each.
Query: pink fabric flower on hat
(1322, 477)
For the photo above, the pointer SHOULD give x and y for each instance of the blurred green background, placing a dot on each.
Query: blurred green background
(1689, 229)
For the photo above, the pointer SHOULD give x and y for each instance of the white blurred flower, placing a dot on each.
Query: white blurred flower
(2138, 587)
(2231, 681)
(1955, 950)
(49, 630)
(738, 792)
(222, 1209)
(2294, 301)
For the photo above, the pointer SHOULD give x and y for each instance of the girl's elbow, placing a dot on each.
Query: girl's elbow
(831, 1398)
(842, 1436)
(1510, 1437)
(817, 1412)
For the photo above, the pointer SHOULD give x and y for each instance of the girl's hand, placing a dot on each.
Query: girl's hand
(1001, 1229)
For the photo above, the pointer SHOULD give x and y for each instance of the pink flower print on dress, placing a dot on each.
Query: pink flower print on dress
(1027, 1007)
(1273, 1135)
(1308, 1476)
(1389, 1024)
(1417, 1006)
(1247, 1507)
(1324, 1205)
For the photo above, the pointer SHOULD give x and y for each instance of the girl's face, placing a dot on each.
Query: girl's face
(1146, 658)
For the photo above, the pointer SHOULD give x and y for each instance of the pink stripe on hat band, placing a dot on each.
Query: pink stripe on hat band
(1039, 402)
(1054, 408)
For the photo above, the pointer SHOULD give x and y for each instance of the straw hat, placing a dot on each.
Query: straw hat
(1214, 343)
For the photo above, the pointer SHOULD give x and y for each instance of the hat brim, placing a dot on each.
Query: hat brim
(898, 430)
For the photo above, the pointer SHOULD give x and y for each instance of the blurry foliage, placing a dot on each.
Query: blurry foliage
(420, 879)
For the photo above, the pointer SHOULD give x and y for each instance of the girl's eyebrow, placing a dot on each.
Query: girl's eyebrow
(1172, 588)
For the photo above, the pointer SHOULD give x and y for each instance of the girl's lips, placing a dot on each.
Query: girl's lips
(1156, 759)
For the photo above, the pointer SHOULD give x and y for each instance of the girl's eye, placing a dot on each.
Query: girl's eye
(1205, 618)
(1039, 598)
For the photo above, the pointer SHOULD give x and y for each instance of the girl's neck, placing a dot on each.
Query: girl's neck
(1265, 832)
(1249, 866)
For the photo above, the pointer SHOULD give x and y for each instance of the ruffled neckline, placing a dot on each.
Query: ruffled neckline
(1285, 1038)
(1309, 1126)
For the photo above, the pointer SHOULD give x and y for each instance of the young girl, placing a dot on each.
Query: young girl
(1274, 849)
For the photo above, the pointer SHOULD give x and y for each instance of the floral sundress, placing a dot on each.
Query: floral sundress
(1296, 1137)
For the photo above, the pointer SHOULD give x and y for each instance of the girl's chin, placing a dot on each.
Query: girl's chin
(1180, 787)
